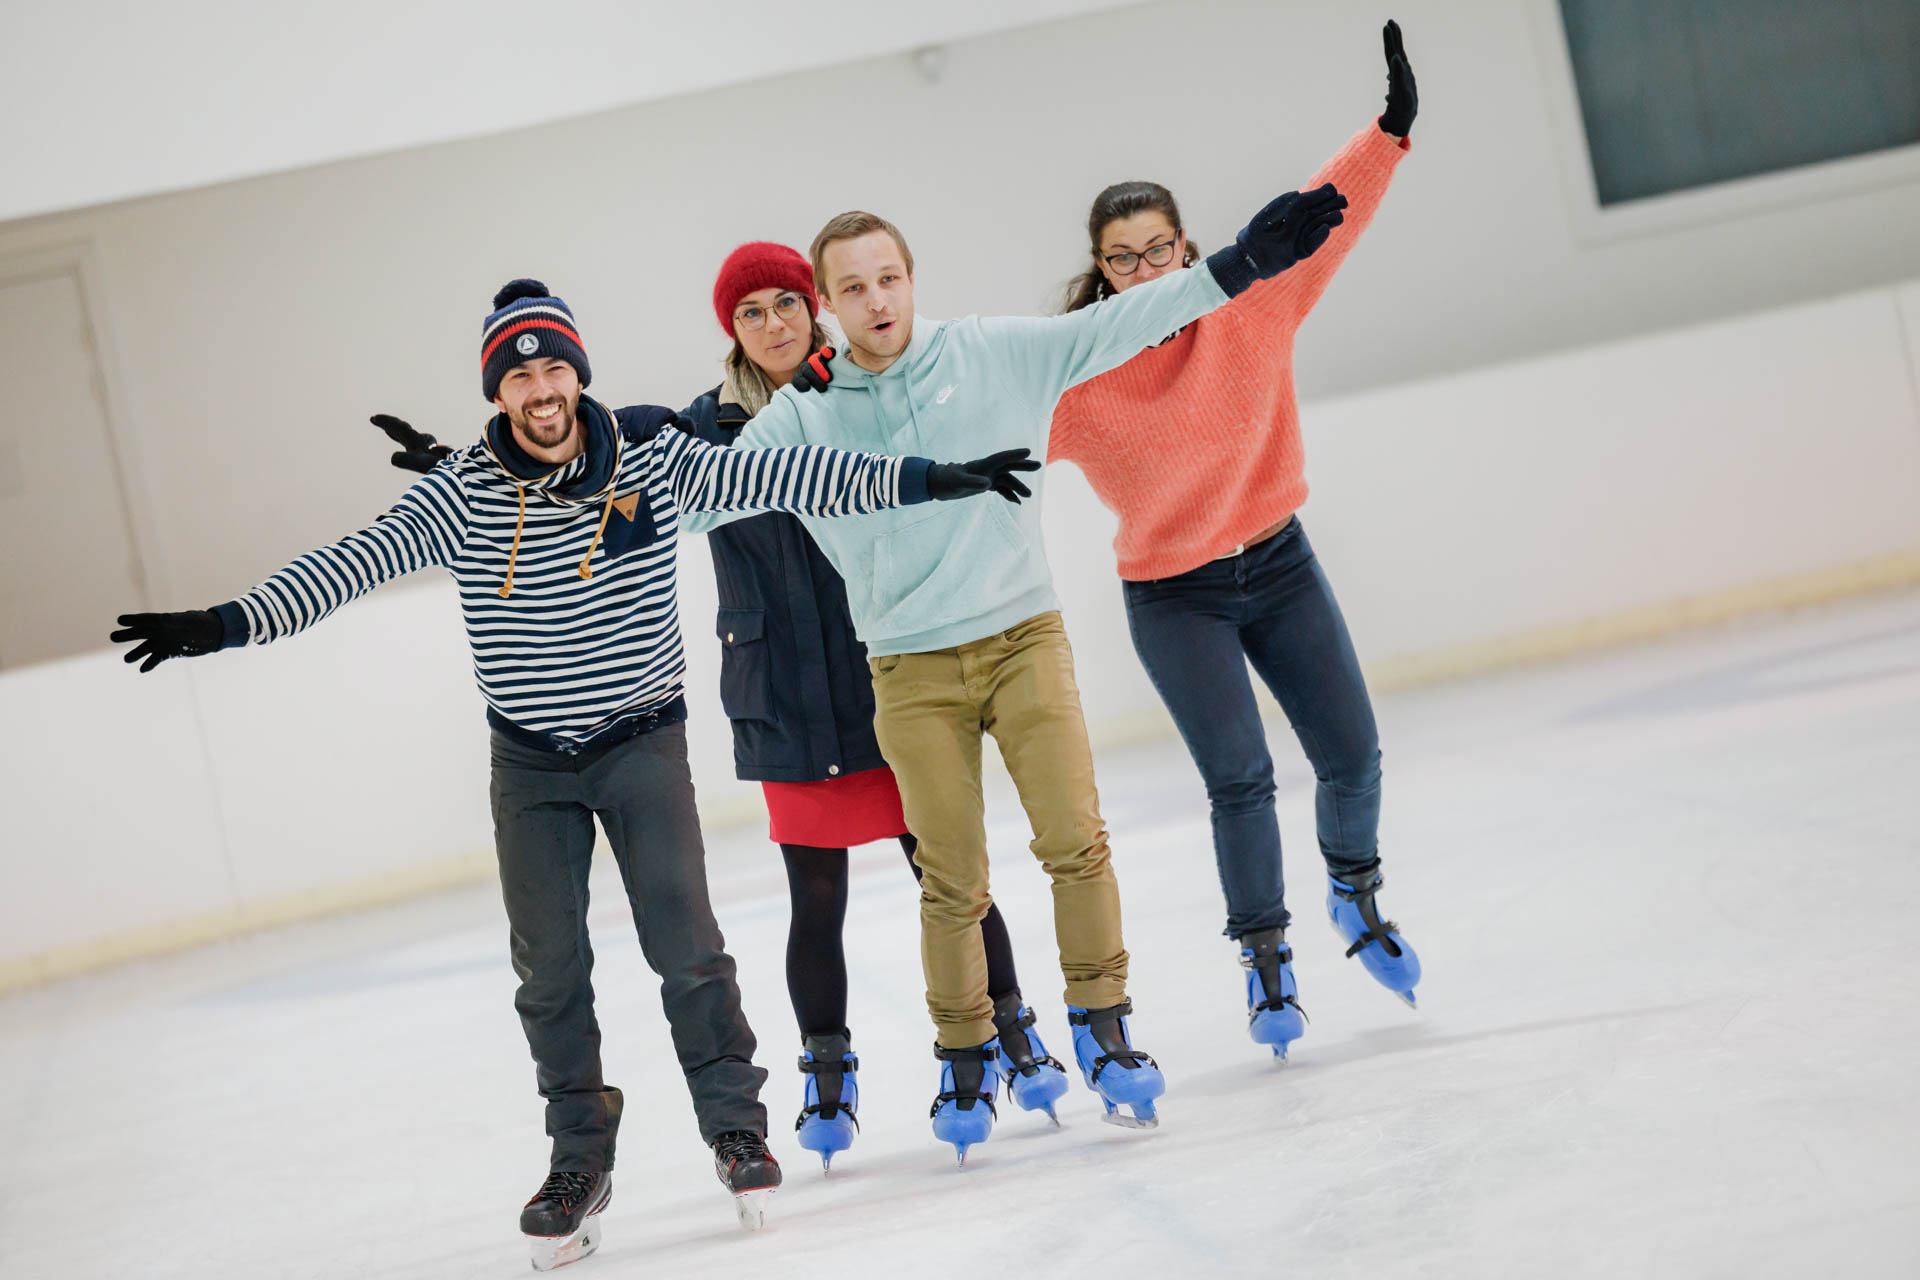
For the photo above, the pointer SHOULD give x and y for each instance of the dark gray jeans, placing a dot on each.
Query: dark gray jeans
(1270, 606)
(544, 803)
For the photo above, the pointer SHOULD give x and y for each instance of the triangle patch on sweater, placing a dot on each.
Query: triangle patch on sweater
(627, 506)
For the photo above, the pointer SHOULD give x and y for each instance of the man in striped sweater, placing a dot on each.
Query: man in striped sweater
(559, 527)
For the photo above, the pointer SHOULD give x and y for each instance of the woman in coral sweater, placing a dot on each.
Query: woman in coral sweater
(1218, 572)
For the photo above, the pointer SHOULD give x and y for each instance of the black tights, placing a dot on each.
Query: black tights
(816, 959)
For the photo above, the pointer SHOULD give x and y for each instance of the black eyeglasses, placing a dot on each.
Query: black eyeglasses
(1157, 255)
(786, 306)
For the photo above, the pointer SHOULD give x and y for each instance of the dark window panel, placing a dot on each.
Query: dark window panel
(1677, 94)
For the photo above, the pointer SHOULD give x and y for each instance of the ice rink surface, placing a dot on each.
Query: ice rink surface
(1664, 898)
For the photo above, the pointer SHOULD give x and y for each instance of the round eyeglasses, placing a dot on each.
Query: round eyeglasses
(1157, 255)
(786, 306)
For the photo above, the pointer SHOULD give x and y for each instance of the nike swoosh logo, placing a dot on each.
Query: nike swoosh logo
(944, 393)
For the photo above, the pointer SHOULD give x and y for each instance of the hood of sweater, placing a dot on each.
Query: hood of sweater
(583, 479)
(586, 478)
(924, 345)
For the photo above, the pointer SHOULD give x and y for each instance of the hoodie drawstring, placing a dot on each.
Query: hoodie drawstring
(586, 568)
(520, 522)
(513, 556)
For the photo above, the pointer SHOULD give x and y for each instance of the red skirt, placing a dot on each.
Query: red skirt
(838, 813)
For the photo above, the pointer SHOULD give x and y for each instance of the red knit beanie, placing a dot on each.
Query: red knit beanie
(761, 264)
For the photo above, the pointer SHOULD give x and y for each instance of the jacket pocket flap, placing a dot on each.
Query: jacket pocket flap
(737, 626)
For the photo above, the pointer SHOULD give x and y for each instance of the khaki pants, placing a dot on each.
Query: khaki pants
(930, 711)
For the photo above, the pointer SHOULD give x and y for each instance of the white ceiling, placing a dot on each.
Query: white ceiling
(108, 99)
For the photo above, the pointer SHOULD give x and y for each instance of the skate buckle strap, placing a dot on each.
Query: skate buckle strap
(1021, 1023)
(1031, 1067)
(1088, 1017)
(826, 1112)
(1095, 1017)
(1377, 930)
(1023, 1060)
(1268, 967)
(979, 1053)
(954, 1096)
(1270, 1005)
(828, 1108)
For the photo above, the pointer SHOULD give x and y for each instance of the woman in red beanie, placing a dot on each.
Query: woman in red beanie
(795, 684)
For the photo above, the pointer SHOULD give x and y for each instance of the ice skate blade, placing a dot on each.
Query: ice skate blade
(1121, 1119)
(826, 1162)
(1407, 998)
(751, 1206)
(1053, 1118)
(1280, 1052)
(557, 1251)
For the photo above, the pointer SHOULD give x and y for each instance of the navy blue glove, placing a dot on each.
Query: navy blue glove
(1287, 230)
(418, 450)
(813, 374)
(1403, 100)
(947, 480)
(169, 635)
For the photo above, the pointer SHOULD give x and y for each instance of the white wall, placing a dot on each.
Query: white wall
(257, 323)
(1454, 512)
(1481, 467)
(262, 84)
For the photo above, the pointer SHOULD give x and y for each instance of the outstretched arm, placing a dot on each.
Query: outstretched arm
(1362, 170)
(1048, 355)
(806, 479)
(426, 527)
(812, 480)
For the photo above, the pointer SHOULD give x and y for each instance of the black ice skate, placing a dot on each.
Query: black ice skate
(562, 1221)
(743, 1163)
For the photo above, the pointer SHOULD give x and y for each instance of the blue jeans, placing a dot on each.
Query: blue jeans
(1270, 606)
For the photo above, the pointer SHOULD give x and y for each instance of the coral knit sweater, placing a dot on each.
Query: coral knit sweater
(1222, 392)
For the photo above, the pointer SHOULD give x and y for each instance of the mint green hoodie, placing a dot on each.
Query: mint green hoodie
(943, 573)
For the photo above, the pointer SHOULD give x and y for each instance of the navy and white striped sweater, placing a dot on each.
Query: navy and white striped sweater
(563, 657)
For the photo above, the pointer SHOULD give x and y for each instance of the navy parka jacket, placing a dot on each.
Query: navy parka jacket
(793, 676)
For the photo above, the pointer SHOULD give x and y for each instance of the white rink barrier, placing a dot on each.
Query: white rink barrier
(1504, 514)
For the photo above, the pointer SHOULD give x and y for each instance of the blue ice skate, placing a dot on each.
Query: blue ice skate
(1114, 1069)
(1274, 1016)
(1378, 943)
(827, 1120)
(1035, 1079)
(963, 1113)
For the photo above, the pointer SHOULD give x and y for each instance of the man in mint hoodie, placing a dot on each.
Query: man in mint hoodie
(962, 626)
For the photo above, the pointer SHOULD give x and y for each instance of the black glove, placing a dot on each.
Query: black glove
(813, 374)
(418, 450)
(1403, 100)
(169, 635)
(1287, 230)
(964, 479)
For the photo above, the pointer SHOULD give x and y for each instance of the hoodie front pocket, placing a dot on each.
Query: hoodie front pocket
(953, 564)
(630, 526)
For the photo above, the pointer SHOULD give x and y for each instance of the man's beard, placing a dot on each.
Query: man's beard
(554, 431)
